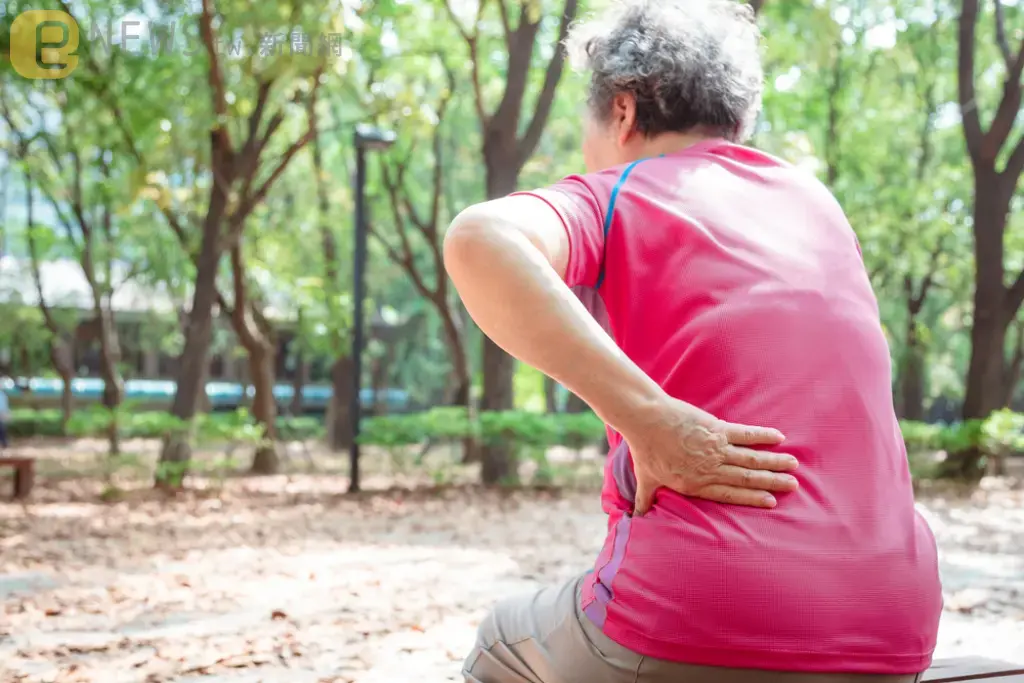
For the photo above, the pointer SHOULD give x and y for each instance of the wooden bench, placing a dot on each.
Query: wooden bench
(24, 474)
(973, 669)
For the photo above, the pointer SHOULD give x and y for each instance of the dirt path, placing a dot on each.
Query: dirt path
(288, 582)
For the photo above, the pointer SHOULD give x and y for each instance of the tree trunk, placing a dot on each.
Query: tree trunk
(60, 355)
(194, 361)
(550, 395)
(575, 404)
(454, 339)
(912, 373)
(113, 385)
(985, 391)
(462, 384)
(259, 347)
(499, 459)
(339, 423)
(264, 407)
(110, 344)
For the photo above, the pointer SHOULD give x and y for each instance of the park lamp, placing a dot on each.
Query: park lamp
(366, 138)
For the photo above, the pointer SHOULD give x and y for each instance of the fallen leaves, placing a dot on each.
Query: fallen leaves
(314, 588)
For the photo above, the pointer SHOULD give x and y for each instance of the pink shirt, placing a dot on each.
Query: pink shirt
(735, 281)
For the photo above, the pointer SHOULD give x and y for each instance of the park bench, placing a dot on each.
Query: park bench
(973, 669)
(24, 474)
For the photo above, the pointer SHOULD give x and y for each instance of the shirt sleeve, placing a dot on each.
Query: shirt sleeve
(576, 200)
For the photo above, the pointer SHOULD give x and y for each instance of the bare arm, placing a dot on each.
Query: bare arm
(509, 274)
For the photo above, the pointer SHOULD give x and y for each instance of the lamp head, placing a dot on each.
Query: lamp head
(369, 137)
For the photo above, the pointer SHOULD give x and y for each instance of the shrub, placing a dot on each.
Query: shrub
(94, 421)
(25, 422)
(300, 428)
(1001, 434)
(528, 430)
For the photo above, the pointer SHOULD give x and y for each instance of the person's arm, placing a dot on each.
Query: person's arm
(507, 259)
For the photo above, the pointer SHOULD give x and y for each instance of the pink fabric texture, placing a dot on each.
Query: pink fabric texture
(736, 282)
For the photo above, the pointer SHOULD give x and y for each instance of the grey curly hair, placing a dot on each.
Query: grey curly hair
(688, 63)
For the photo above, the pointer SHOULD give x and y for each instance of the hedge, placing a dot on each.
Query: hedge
(1001, 434)
(95, 421)
(574, 430)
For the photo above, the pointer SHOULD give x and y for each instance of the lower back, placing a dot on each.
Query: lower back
(842, 574)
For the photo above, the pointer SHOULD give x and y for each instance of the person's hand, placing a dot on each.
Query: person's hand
(693, 453)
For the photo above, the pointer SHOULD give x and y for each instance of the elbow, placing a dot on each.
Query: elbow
(469, 239)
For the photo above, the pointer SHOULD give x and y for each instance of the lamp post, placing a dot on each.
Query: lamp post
(365, 138)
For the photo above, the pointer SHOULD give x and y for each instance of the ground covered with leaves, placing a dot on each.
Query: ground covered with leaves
(287, 580)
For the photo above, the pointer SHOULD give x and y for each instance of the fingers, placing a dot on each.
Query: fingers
(760, 480)
(644, 496)
(746, 435)
(760, 460)
(734, 495)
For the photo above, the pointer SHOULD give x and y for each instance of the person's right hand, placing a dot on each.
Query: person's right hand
(694, 453)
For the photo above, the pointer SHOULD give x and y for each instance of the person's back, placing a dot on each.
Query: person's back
(735, 282)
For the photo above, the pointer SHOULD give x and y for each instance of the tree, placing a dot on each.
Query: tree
(39, 240)
(241, 131)
(995, 304)
(339, 432)
(256, 335)
(83, 202)
(506, 147)
(427, 275)
(59, 345)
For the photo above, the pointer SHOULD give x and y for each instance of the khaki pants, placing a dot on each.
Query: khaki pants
(545, 638)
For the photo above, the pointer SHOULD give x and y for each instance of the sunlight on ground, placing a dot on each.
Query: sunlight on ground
(284, 580)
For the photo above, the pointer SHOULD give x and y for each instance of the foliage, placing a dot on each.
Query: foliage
(523, 428)
(1001, 434)
(211, 428)
(863, 94)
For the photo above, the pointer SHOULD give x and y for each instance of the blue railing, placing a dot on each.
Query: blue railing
(222, 395)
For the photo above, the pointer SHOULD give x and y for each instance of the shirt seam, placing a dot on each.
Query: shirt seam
(609, 214)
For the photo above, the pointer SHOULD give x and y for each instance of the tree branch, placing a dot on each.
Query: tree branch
(528, 143)
(472, 42)
(929, 278)
(403, 260)
(1001, 40)
(241, 309)
(970, 120)
(34, 260)
(1009, 106)
(438, 188)
(1015, 295)
(254, 143)
(506, 23)
(24, 145)
(1016, 363)
(397, 195)
(1015, 165)
(250, 201)
(215, 78)
(105, 95)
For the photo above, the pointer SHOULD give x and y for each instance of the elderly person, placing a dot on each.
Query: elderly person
(736, 294)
